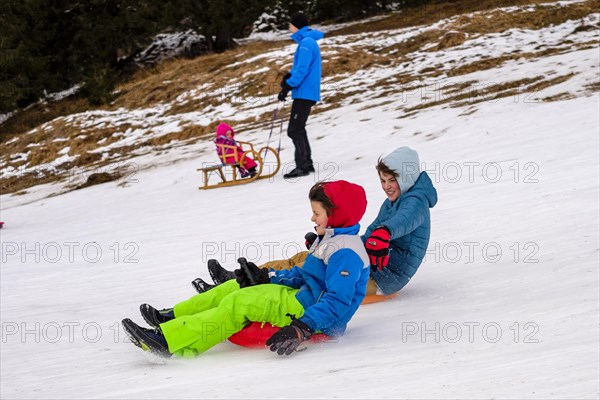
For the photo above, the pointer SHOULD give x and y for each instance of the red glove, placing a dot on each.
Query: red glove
(378, 247)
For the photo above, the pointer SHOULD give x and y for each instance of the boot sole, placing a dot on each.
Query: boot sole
(132, 331)
(129, 330)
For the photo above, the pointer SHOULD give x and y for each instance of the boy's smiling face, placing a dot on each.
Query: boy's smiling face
(389, 184)
(319, 217)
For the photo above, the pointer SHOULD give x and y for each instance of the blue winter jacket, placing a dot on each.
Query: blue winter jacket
(332, 281)
(408, 221)
(306, 70)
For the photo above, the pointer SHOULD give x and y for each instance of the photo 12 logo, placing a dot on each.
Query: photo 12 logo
(482, 252)
(71, 252)
(487, 172)
(471, 332)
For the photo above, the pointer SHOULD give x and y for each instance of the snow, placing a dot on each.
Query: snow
(506, 304)
(64, 93)
(4, 117)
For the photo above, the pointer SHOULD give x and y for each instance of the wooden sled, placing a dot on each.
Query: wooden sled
(256, 334)
(258, 156)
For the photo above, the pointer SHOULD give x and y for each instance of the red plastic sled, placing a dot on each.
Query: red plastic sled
(256, 334)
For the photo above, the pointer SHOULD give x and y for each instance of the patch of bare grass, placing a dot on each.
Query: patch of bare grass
(558, 97)
(543, 16)
(39, 114)
(430, 13)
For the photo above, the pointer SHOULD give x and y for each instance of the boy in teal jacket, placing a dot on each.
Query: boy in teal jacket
(398, 238)
(320, 297)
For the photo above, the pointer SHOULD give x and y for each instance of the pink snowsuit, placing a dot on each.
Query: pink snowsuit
(231, 154)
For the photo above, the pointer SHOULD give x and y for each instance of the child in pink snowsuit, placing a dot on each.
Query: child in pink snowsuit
(225, 135)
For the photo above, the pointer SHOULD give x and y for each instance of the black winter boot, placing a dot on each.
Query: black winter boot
(156, 317)
(201, 286)
(146, 339)
(296, 172)
(219, 274)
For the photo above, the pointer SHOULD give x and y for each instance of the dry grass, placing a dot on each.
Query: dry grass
(39, 114)
(430, 13)
(543, 16)
(211, 75)
(558, 97)
(593, 87)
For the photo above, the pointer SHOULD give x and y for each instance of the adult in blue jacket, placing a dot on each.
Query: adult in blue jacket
(398, 238)
(304, 81)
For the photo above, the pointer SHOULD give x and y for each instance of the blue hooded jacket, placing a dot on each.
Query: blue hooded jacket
(332, 281)
(306, 70)
(408, 220)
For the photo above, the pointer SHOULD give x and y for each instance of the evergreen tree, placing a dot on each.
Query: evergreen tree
(28, 30)
(51, 45)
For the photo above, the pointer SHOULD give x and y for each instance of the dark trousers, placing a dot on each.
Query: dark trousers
(297, 132)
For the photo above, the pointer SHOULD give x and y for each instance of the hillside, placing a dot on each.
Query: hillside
(502, 106)
(429, 57)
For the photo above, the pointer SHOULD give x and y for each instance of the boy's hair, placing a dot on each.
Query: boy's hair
(317, 193)
(382, 168)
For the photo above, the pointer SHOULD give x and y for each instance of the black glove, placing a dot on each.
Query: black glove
(282, 95)
(250, 275)
(285, 88)
(287, 339)
(309, 239)
(285, 78)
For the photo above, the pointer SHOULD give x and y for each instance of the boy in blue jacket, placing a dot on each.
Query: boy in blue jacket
(304, 80)
(320, 297)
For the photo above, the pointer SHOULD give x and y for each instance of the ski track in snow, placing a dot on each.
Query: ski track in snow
(506, 304)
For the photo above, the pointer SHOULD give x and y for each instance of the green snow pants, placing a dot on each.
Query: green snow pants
(209, 318)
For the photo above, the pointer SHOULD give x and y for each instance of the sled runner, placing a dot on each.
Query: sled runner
(267, 160)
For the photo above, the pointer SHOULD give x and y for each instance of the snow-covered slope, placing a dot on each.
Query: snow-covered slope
(506, 304)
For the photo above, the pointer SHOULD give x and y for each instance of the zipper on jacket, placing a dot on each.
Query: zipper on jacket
(321, 295)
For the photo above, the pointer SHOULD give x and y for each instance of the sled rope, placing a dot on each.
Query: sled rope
(271, 130)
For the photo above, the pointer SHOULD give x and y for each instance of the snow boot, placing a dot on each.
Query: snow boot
(154, 317)
(146, 339)
(218, 273)
(201, 286)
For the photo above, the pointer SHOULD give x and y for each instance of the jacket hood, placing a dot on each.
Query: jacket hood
(405, 161)
(349, 201)
(222, 129)
(424, 188)
(307, 32)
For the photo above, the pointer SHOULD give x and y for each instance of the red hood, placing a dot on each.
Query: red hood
(223, 128)
(350, 203)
